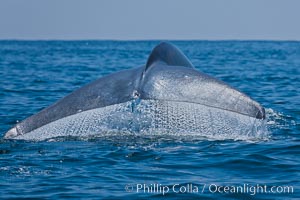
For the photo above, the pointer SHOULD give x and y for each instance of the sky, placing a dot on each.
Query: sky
(150, 20)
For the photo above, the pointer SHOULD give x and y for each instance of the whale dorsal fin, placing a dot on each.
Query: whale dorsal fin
(168, 54)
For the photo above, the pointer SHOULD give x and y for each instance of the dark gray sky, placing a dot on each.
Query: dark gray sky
(152, 19)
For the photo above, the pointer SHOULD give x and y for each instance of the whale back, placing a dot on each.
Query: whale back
(169, 55)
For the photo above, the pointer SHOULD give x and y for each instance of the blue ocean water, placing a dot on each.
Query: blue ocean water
(34, 74)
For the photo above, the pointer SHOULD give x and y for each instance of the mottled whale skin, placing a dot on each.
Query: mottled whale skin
(167, 76)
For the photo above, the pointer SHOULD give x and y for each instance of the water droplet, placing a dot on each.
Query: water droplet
(136, 94)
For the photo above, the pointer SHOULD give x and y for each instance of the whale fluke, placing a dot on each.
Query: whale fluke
(168, 80)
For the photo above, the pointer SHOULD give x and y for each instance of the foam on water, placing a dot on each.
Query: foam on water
(152, 118)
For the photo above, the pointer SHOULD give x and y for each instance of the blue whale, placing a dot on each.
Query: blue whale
(167, 93)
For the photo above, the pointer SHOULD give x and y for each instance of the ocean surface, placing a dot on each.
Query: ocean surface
(35, 74)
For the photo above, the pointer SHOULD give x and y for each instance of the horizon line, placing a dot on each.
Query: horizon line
(141, 40)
